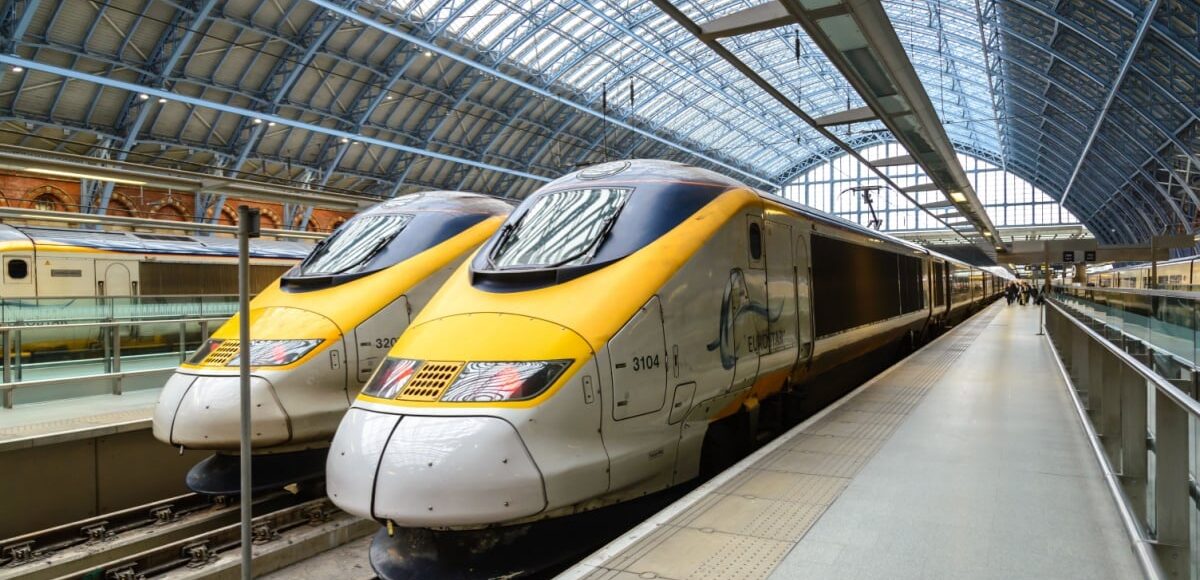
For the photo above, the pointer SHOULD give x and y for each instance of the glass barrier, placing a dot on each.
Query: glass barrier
(43, 311)
(1166, 321)
(62, 352)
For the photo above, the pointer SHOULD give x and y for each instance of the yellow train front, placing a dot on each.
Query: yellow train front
(317, 334)
(630, 324)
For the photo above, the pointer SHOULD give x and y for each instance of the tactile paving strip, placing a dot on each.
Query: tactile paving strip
(744, 528)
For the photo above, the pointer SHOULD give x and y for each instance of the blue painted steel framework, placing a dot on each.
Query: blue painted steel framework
(388, 96)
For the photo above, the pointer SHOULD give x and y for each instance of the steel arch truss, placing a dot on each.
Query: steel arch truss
(1099, 102)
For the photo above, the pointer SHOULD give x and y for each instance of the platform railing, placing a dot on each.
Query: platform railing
(1144, 429)
(98, 351)
(1166, 321)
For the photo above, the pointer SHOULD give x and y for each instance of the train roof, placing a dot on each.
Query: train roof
(152, 243)
(444, 201)
(1140, 265)
(672, 170)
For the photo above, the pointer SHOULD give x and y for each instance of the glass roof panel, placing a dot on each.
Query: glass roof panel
(694, 97)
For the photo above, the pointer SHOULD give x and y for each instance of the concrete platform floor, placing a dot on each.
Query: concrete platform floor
(964, 461)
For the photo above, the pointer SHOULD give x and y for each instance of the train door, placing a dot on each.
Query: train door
(113, 278)
(780, 346)
(640, 447)
(747, 306)
(804, 314)
(18, 276)
(373, 339)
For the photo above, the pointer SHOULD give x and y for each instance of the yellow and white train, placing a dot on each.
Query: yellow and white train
(626, 326)
(318, 333)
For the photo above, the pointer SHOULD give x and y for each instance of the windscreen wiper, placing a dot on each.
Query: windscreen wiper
(501, 238)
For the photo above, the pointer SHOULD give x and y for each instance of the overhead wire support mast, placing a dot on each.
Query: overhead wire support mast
(712, 42)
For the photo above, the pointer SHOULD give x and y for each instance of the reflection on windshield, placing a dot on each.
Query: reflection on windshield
(354, 244)
(561, 228)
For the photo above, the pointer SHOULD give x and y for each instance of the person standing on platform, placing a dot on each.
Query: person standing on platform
(1010, 292)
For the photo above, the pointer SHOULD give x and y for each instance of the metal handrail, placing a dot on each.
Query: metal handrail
(81, 378)
(1171, 391)
(1142, 545)
(1120, 400)
(111, 323)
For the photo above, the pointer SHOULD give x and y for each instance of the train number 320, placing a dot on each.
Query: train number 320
(384, 342)
(641, 363)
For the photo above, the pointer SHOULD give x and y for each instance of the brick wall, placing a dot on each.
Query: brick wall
(21, 191)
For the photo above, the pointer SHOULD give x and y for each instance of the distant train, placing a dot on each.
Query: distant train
(1178, 274)
(61, 275)
(629, 325)
(318, 334)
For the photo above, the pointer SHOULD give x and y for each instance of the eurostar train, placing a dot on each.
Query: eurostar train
(1178, 274)
(53, 276)
(626, 324)
(318, 333)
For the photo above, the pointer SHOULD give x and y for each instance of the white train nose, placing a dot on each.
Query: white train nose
(432, 471)
(202, 412)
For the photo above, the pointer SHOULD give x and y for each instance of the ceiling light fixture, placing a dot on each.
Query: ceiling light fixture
(143, 96)
(18, 68)
(162, 100)
(958, 196)
(93, 177)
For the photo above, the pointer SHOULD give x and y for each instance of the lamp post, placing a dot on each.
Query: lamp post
(248, 227)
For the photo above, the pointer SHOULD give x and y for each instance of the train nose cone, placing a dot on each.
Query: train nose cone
(202, 412)
(432, 471)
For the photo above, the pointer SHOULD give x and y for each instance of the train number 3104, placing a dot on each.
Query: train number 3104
(641, 363)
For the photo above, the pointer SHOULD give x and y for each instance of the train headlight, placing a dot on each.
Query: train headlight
(271, 353)
(504, 381)
(390, 377)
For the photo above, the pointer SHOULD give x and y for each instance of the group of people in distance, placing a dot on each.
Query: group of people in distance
(1023, 293)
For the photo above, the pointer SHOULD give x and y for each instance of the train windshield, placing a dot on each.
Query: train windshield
(353, 246)
(562, 228)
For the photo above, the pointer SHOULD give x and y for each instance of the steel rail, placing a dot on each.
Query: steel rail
(95, 543)
(205, 549)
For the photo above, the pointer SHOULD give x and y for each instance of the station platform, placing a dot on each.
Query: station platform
(57, 421)
(965, 460)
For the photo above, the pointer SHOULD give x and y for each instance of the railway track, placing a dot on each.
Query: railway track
(184, 536)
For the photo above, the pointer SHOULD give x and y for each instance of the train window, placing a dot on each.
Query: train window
(354, 244)
(17, 269)
(755, 241)
(562, 228)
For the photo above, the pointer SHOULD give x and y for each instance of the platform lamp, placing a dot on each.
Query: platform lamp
(248, 227)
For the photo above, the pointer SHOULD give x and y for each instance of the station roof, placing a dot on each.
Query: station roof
(1093, 101)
